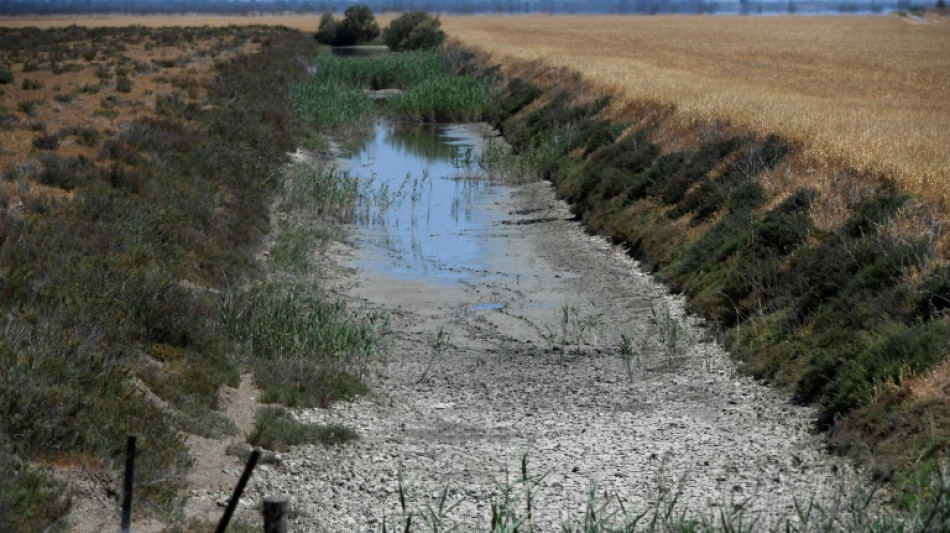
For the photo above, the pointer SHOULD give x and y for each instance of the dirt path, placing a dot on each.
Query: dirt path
(512, 381)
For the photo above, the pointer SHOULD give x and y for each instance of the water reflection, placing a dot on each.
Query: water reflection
(423, 214)
(422, 140)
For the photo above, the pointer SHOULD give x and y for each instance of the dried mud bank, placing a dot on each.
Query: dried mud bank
(455, 416)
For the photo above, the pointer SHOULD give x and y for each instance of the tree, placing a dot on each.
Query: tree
(413, 31)
(326, 33)
(941, 4)
(358, 26)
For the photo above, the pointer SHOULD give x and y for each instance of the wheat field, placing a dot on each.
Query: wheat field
(868, 93)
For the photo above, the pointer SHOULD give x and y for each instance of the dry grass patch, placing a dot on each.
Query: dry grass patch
(865, 93)
(69, 91)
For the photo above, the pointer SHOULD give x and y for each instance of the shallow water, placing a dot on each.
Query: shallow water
(426, 209)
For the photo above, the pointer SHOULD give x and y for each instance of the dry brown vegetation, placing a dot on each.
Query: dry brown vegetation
(865, 93)
(95, 88)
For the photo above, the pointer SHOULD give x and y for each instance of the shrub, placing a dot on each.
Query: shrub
(413, 31)
(358, 26)
(30, 85)
(326, 33)
(28, 107)
(6, 77)
(46, 142)
(30, 500)
(123, 84)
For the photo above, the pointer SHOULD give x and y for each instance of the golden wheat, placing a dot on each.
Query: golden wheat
(868, 93)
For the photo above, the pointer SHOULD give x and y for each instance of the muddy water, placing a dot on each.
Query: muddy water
(426, 212)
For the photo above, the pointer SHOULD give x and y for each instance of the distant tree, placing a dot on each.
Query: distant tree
(791, 8)
(941, 4)
(413, 31)
(358, 26)
(326, 33)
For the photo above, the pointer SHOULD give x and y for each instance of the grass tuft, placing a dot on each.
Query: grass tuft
(277, 430)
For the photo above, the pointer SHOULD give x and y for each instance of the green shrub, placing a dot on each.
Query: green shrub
(6, 76)
(357, 27)
(415, 30)
(29, 499)
(326, 32)
(902, 350)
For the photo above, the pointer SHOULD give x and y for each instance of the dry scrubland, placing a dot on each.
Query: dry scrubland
(98, 89)
(863, 92)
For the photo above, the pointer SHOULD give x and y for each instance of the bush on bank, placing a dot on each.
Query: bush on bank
(415, 30)
(358, 26)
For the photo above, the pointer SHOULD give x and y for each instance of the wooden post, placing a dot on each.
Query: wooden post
(238, 491)
(275, 515)
(127, 485)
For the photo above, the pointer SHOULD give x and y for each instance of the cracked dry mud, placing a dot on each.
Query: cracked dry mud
(505, 385)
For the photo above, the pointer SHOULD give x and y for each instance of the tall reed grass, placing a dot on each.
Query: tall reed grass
(336, 93)
(330, 104)
(305, 350)
(442, 98)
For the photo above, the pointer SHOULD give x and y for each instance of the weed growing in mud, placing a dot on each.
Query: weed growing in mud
(669, 333)
(631, 354)
(576, 328)
(437, 347)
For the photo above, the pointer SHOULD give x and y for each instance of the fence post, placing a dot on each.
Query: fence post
(275, 515)
(127, 485)
(238, 491)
